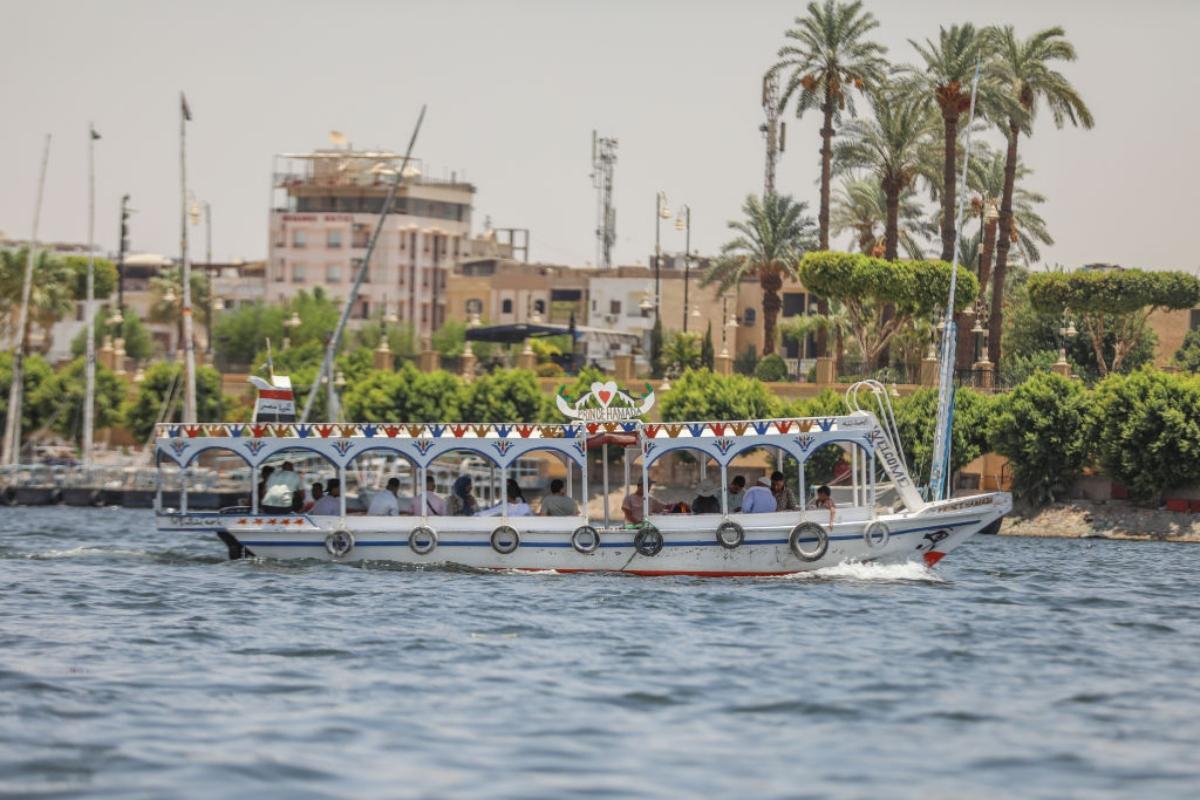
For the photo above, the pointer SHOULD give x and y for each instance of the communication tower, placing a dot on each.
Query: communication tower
(773, 129)
(604, 161)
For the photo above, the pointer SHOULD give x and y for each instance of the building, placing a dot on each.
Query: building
(327, 206)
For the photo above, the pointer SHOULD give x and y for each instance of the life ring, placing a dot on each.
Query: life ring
(807, 530)
(505, 539)
(648, 541)
(876, 535)
(339, 543)
(422, 540)
(730, 535)
(585, 539)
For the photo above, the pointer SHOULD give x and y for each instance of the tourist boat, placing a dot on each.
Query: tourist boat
(724, 544)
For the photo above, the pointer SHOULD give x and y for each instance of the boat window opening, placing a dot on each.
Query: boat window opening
(687, 481)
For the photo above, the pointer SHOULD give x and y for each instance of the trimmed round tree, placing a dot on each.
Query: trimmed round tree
(1112, 302)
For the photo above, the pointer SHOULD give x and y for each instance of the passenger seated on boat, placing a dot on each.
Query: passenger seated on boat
(435, 504)
(736, 487)
(784, 499)
(557, 504)
(315, 493)
(328, 505)
(264, 475)
(462, 502)
(824, 499)
(515, 500)
(385, 503)
(282, 487)
(758, 499)
(631, 506)
(706, 501)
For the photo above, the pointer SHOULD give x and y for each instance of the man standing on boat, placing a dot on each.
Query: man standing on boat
(281, 488)
(385, 503)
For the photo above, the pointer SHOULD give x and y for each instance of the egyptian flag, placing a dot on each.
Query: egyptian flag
(95, 135)
(183, 107)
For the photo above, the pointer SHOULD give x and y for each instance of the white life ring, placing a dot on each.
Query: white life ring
(505, 539)
(648, 541)
(585, 539)
(876, 535)
(339, 543)
(808, 530)
(730, 535)
(422, 540)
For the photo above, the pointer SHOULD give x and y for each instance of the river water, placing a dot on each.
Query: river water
(134, 664)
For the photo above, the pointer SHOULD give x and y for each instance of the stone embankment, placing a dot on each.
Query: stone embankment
(1082, 519)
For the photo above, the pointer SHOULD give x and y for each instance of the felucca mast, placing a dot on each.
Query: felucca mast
(89, 398)
(335, 340)
(942, 440)
(12, 430)
(189, 346)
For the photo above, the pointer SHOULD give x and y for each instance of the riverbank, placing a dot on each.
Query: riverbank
(1114, 520)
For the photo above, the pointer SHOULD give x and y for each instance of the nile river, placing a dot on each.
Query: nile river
(134, 664)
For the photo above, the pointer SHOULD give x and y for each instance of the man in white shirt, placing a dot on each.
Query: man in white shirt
(281, 490)
(435, 503)
(385, 503)
(330, 504)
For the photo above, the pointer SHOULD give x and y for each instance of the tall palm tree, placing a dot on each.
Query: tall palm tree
(771, 238)
(860, 206)
(830, 58)
(944, 83)
(1022, 70)
(51, 296)
(894, 147)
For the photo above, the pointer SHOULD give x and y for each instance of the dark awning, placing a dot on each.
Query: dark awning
(519, 332)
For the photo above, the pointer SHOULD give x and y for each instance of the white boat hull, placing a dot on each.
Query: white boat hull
(690, 545)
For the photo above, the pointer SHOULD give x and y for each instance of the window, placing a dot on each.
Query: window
(333, 239)
(793, 304)
(360, 234)
(1194, 322)
(281, 271)
(299, 239)
(403, 241)
(297, 273)
(614, 306)
(748, 318)
(506, 307)
(474, 306)
(333, 273)
(355, 266)
(427, 238)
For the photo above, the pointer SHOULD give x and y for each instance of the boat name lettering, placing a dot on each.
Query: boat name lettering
(972, 502)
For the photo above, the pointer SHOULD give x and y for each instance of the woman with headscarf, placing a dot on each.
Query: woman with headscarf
(462, 502)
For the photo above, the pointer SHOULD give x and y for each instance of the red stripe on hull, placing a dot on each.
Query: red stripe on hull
(932, 557)
(655, 573)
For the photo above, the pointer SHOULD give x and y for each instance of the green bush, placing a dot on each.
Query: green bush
(1039, 427)
(1144, 429)
(1187, 357)
(61, 399)
(143, 411)
(916, 419)
(771, 368)
(702, 395)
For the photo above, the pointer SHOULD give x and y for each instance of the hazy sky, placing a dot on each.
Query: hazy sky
(514, 90)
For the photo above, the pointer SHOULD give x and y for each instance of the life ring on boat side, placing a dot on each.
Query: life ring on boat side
(585, 539)
(876, 535)
(808, 530)
(339, 543)
(648, 541)
(505, 539)
(730, 535)
(422, 540)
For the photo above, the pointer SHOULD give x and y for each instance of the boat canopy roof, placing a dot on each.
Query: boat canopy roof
(519, 332)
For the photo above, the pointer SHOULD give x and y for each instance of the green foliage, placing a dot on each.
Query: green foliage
(683, 351)
(771, 368)
(1039, 427)
(916, 419)
(450, 340)
(745, 362)
(138, 344)
(166, 379)
(702, 395)
(506, 395)
(1187, 357)
(35, 373)
(104, 274)
(240, 335)
(708, 356)
(61, 399)
(402, 341)
(406, 395)
(1018, 367)
(868, 287)
(1144, 429)
(656, 349)
(1112, 305)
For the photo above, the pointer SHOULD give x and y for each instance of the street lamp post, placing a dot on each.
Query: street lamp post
(661, 212)
(290, 326)
(683, 222)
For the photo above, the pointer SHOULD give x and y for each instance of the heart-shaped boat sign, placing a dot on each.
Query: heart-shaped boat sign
(604, 392)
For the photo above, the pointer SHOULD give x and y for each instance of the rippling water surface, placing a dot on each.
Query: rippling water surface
(139, 664)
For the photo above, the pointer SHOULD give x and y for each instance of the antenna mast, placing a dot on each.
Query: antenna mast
(604, 161)
(773, 130)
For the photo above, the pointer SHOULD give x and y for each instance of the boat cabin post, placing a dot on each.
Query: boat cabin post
(183, 490)
(341, 471)
(254, 489)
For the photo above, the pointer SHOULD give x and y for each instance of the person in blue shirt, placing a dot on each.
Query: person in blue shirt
(758, 498)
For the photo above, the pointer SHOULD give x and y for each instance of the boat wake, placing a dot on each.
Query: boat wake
(908, 571)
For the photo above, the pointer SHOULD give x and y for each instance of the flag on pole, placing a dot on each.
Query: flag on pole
(337, 138)
(93, 132)
(183, 106)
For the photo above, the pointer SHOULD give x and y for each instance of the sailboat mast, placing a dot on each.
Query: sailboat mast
(189, 347)
(942, 439)
(12, 430)
(89, 398)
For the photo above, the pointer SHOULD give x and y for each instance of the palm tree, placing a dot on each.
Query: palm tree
(860, 206)
(894, 147)
(831, 57)
(1022, 71)
(771, 238)
(944, 82)
(51, 297)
